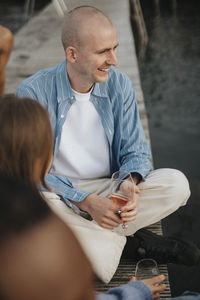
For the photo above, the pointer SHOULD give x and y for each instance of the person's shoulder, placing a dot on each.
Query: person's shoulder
(6, 38)
(40, 83)
(5, 32)
(40, 76)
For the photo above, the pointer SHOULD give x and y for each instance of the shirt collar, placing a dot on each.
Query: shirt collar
(100, 90)
(64, 90)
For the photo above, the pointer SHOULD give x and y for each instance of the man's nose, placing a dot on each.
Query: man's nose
(112, 58)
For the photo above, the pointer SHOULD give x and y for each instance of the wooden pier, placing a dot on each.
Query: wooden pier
(38, 45)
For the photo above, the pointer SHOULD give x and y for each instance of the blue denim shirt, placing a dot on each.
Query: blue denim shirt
(115, 102)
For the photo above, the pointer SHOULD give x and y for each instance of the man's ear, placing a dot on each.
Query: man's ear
(71, 54)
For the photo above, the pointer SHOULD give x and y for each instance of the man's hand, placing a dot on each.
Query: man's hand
(102, 210)
(155, 284)
(129, 211)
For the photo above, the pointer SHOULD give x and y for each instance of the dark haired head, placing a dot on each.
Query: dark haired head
(40, 258)
(21, 207)
(26, 139)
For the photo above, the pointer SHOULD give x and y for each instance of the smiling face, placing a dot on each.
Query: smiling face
(93, 59)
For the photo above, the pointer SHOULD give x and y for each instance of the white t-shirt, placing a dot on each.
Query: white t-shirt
(84, 150)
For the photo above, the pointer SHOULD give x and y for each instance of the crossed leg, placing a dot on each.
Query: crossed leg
(162, 193)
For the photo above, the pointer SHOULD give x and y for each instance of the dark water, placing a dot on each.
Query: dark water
(170, 75)
(13, 12)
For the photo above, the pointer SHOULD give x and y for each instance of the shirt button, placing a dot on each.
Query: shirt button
(62, 116)
(72, 97)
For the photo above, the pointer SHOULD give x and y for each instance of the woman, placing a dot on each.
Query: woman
(26, 153)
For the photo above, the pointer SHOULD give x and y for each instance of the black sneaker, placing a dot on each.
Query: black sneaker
(165, 249)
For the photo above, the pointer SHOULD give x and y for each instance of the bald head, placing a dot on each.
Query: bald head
(78, 22)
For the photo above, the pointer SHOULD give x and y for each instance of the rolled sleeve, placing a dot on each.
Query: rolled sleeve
(63, 187)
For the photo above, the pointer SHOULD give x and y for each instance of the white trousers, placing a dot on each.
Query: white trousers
(162, 193)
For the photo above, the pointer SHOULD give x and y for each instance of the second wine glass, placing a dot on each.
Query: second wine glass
(146, 268)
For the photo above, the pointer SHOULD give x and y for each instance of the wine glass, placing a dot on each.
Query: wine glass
(122, 190)
(146, 268)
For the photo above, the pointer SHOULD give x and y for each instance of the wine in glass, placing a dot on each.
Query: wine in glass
(122, 190)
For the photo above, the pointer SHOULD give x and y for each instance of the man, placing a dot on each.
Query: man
(6, 46)
(97, 132)
(40, 257)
